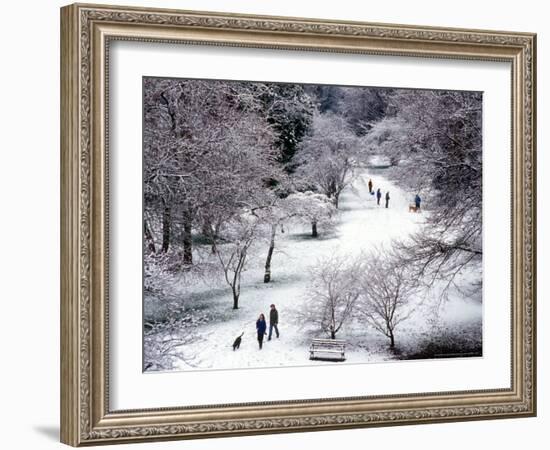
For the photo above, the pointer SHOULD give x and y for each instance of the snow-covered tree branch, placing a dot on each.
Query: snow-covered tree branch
(332, 294)
(328, 156)
(386, 293)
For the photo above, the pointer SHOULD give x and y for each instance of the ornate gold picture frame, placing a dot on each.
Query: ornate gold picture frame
(87, 32)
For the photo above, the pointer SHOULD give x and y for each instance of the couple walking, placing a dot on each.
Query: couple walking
(261, 325)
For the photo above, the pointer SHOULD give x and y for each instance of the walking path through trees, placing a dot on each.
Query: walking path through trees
(362, 225)
(256, 193)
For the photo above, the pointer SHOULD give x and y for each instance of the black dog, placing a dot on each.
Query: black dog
(237, 342)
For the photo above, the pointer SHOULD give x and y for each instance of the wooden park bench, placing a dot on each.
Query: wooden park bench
(328, 349)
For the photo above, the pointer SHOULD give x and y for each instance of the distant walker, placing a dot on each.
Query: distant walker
(416, 206)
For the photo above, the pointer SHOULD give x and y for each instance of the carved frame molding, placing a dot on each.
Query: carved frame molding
(86, 31)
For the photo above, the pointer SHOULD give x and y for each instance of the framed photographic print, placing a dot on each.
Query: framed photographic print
(277, 224)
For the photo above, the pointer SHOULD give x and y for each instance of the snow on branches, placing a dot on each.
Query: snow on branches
(328, 156)
(332, 295)
(434, 141)
(373, 289)
(312, 209)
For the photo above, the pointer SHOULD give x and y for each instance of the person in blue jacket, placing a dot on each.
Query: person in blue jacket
(261, 327)
(378, 196)
(417, 201)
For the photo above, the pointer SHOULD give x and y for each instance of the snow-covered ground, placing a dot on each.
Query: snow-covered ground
(362, 225)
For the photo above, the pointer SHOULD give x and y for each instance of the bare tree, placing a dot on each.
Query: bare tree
(390, 137)
(304, 207)
(273, 216)
(386, 294)
(164, 344)
(207, 148)
(233, 255)
(436, 137)
(331, 295)
(312, 209)
(327, 156)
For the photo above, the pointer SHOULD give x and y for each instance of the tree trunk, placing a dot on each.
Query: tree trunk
(336, 197)
(235, 298)
(187, 241)
(166, 228)
(149, 237)
(392, 340)
(267, 275)
(236, 286)
(332, 329)
(210, 234)
(314, 229)
(215, 233)
(331, 189)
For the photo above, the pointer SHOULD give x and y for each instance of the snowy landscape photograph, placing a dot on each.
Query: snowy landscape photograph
(292, 225)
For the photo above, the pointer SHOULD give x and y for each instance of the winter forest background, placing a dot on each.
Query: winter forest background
(258, 193)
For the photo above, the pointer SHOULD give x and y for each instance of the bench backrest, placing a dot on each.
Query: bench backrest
(328, 343)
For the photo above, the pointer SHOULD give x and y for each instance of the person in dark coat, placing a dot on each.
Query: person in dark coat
(261, 326)
(378, 196)
(387, 198)
(370, 185)
(273, 321)
(417, 201)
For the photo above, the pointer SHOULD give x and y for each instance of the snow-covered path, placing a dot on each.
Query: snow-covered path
(363, 225)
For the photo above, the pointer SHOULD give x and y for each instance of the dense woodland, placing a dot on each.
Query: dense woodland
(228, 165)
